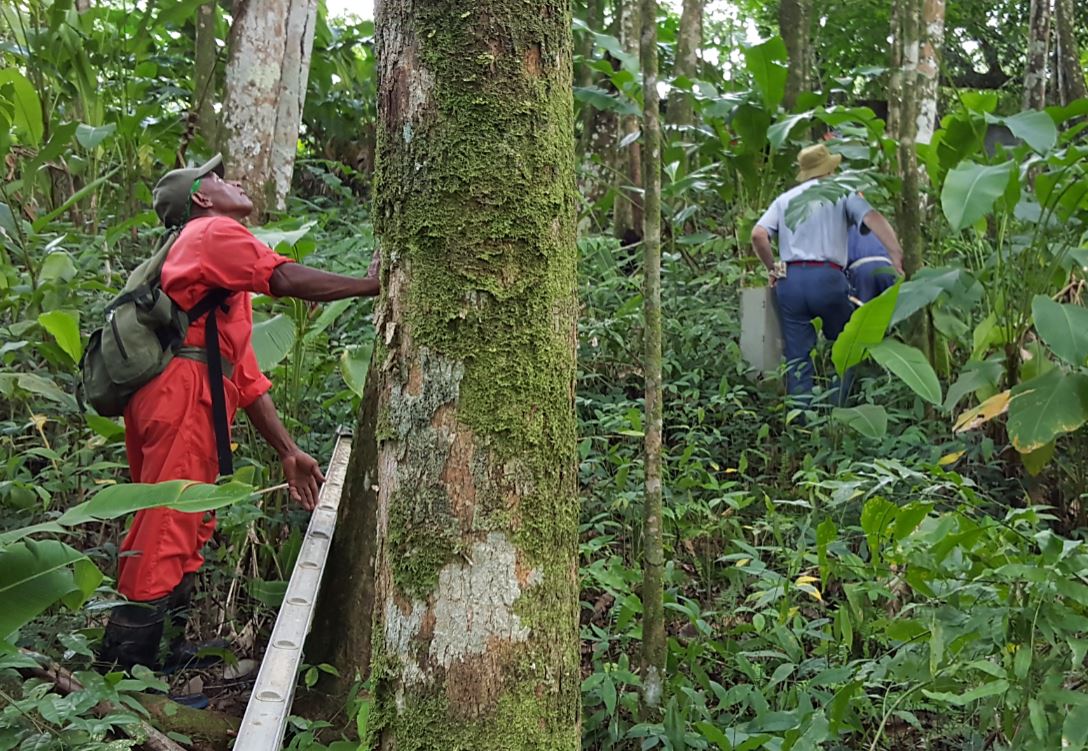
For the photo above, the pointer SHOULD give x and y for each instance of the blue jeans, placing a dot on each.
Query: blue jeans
(870, 279)
(809, 292)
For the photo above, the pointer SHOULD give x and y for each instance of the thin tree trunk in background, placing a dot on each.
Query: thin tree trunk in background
(917, 35)
(914, 78)
(627, 210)
(795, 26)
(1070, 72)
(476, 589)
(204, 89)
(266, 76)
(929, 69)
(586, 75)
(1038, 54)
(690, 40)
(653, 555)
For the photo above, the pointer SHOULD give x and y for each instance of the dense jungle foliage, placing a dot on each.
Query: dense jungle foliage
(908, 571)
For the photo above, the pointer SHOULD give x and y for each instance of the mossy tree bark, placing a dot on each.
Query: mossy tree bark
(795, 26)
(653, 555)
(1038, 54)
(266, 75)
(475, 635)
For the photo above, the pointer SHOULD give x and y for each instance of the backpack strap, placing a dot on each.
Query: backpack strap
(212, 302)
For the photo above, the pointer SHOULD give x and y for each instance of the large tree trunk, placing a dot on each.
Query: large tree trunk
(689, 42)
(204, 93)
(270, 44)
(476, 592)
(795, 26)
(1069, 70)
(627, 210)
(653, 556)
(1038, 52)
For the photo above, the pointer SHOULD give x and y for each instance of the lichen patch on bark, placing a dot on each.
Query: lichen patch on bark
(474, 602)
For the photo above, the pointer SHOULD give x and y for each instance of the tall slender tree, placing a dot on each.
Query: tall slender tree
(1038, 54)
(266, 75)
(627, 209)
(653, 553)
(689, 41)
(795, 26)
(204, 74)
(475, 625)
(918, 32)
(1069, 70)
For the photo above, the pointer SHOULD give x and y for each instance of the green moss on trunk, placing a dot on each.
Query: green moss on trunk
(478, 509)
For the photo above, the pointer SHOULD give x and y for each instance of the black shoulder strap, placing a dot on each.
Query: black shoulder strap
(214, 299)
(212, 302)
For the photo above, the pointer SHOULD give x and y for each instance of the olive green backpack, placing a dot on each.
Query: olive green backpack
(145, 330)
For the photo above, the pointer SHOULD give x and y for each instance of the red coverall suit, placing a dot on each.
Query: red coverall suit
(168, 423)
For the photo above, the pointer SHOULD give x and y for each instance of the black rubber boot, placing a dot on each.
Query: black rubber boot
(184, 654)
(133, 635)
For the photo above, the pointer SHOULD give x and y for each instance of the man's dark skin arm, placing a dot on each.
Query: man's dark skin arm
(305, 283)
(303, 474)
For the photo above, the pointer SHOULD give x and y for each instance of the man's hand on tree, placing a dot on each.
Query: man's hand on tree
(304, 478)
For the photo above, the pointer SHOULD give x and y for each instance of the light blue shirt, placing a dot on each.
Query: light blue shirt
(821, 237)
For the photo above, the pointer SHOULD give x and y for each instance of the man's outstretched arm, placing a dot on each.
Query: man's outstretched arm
(305, 283)
(301, 470)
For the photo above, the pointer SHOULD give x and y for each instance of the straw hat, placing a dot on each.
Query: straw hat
(816, 161)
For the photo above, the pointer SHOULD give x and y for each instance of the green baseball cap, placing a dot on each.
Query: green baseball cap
(173, 193)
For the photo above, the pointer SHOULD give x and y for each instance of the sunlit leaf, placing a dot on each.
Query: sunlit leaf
(354, 363)
(272, 340)
(910, 365)
(975, 375)
(986, 690)
(64, 326)
(37, 574)
(28, 108)
(868, 419)
(767, 64)
(1046, 407)
(275, 237)
(970, 190)
(995, 406)
(1063, 327)
(605, 101)
(1036, 129)
(90, 137)
(58, 265)
(866, 327)
(119, 500)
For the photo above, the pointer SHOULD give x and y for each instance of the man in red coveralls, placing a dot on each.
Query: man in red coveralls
(168, 423)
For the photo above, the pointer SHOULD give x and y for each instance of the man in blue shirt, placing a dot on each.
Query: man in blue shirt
(814, 253)
(870, 267)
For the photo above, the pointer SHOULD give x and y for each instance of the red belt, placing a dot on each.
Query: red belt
(832, 264)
